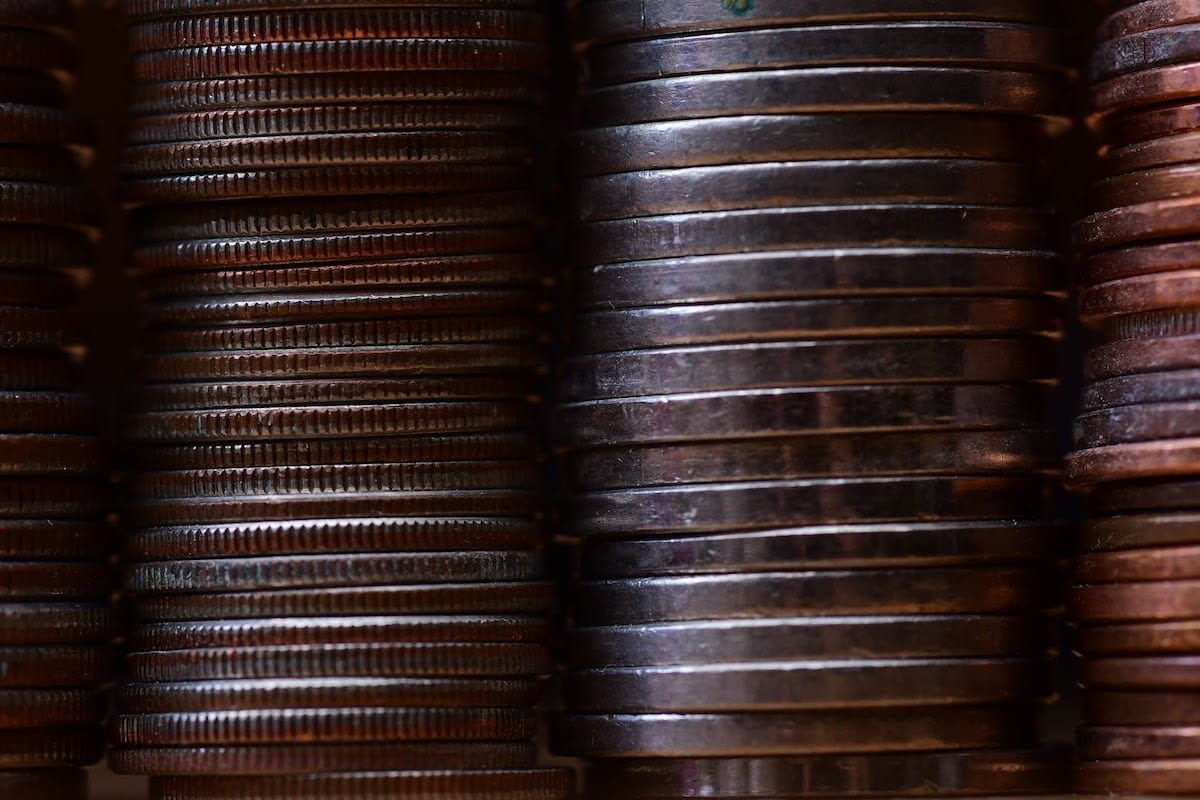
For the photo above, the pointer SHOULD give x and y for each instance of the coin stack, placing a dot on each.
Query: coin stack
(1137, 434)
(334, 529)
(805, 418)
(55, 580)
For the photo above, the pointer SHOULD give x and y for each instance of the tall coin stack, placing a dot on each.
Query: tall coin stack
(805, 418)
(1137, 435)
(334, 530)
(55, 580)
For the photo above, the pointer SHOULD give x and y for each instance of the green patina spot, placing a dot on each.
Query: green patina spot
(738, 7)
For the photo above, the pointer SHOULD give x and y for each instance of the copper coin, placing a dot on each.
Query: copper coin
(35, 540)
(1145, 49)
(296, 571)
(1139, 293)
(788, 639)
(38, 13)
(794, 274)
(340, 630)
(51, 454)
(1178, 148)
(1158, 775)
(45, 623)
(367, 660)
(1136, 423)
(36, 749)
(774, 138)
(886, 545)
(150, 9)
(1142, 564)
(1140, 672)
(725, 507)
(45, 784)
(322, 726)
(947, 774)
(492, 597)
(1113, 742)
(318, 758)
(50, 708)
(54, 580)
(1116, 533)
(1133, 356)
(786, 594)
(1142, 259)
(1177, 636)
(1138, 223)
(1145, 89)
(1145, 186)
(1146, 15)
(1162, 387)
(46, 666)
(42, 125)
(789, 733)
(346, 535)
(1142, 125)
(1176, 495)
(1140, 708)
(1141, 600)
(898, 408)
(542, 784)
(803, 685)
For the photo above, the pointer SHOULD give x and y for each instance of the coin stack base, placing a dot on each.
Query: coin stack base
(803, 421)
(334, 528)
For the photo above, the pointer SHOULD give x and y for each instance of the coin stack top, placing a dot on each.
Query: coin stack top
(334, 531)
(804, 418)
(1136, 431)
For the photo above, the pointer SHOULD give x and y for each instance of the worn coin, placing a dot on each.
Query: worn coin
(1173, 636)
(1165, 775)
(517, 784)
(1112, 742)
(1140, 708)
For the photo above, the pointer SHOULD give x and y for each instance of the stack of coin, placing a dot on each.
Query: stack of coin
(333, 533)
(55, 579)
(805, 417)
(1137, 434)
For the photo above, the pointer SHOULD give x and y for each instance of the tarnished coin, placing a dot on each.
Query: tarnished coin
(1115, 533)
(1165, 775)
(37, 749)
(1145, 49)
(786, 594)
(1105, 742)
(46, 623)
(46, 666)
(1142, 564)
(45, 784)
(517, 784)
(1125, 638)
(1157, 672)
(790, 733)
(1140, 600)
(1140, 708)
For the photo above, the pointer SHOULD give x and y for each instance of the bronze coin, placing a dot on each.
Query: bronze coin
(524, 784)
(1142, 259)
(1116, 742)
(492, 597)
(1141, 672)
(37, 749)
(45, 623)
(321, 726)
(1137, 224)
(1142, 564)
(1139, 293)
(1158, 775)
(1175, 636)
(46, 666)
(367, 660)
(1103, 534)
(825, 640)
(785, 594)
(1105, 708)
(1145, 89)
(1141, 125)
(1141, 600)
(789, 733)
(314, 758)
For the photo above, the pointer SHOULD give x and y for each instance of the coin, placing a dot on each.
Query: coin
(784, 639)
(777, 686)
(47, 784)
(1175, 636)
(48, 666)
(1141, 600)
(1138, 530)
(1095, 742)
(789, 733)
(1139, 708)
(42, 623)
(884, 545)
(1140, 672)
(785, 594)
(1143, 564)
(543, 784)
(1137, 775)
(36, 749)
(1145, 49)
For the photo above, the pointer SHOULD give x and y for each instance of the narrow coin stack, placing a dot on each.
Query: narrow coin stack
(1137, 435)
(805, 417)
(56, 621)
(334, 532)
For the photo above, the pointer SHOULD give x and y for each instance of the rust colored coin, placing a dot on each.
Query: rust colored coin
(35, 328)
(1133, 17)
(953, 453)
(1142, 600)
(322, 725)
(36, 749)
(26, 164)
(897, 408)
(949, 774)
(1142, 564)
(47, 666)
(1138, 294)
(319, 758)
(1140, 708)
(395, 449)
(150, 9)
(245, 574)
(333, 478)
(340, 630)
(1114, 533)
(311, 71)
(34, 371)
(1138, 223)
(1145, 89)
(1146, 49)
(329, 24)
(724, 507)
(492, 597)
(542, 784)
(873, 272)
(450, 85)
(1111, 742)
(1143, 259)
(1178, 148)
(1145, 186)
(883, 546)
(53, 540)
(24, 47)
(803, 685)
(1141, 672)
(324, 421)
(1142, 125)
(807, 363)
(787, 594)
(670, 326)
(44, 203)
(765, 139)
(1134, 776)
(511, 269)
(1133, 356)
(345, 535)
(789, 733)
(1179, 636)
(1176, 495)
(826, 640)
(369, 660)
